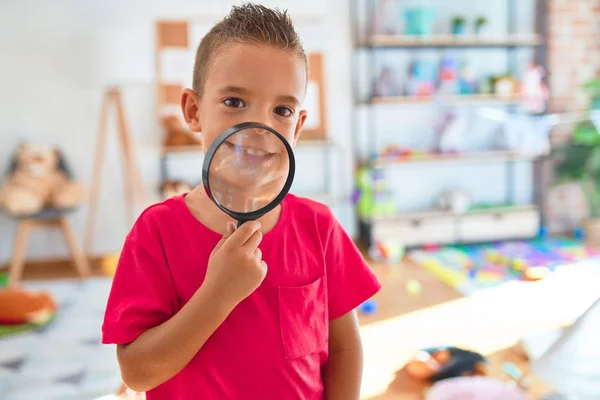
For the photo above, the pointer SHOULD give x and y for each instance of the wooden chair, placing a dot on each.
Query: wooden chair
(50, 218)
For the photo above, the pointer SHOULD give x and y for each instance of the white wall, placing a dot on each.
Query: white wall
(58, 56)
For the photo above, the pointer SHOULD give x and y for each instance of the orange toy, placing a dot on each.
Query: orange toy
(20, 307)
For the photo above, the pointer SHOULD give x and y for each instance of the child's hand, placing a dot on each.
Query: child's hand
(235, 267)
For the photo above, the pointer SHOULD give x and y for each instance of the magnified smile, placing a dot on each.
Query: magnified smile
(250, 155)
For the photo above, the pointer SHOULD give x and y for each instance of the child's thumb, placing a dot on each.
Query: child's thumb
(230, 228)
(228, 232)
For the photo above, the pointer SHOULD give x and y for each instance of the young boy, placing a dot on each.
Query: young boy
(201, 310)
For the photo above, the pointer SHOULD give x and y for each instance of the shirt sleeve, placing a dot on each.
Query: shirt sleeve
(350, 280)
(143, 292)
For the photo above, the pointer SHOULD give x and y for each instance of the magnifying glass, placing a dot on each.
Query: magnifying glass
(248, 170)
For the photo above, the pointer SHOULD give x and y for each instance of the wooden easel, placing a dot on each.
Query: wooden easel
(134, 187)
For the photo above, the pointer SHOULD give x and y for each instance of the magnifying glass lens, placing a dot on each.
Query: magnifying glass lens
(248, 170)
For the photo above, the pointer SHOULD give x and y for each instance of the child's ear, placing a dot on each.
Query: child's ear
(190, 106)
(299, 125)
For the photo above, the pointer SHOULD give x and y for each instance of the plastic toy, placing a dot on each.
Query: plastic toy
(386, 251)
(467, 80)
(534, 92)
(368, 307)
(579, 234)
(371, 197)
(413, 287)
(448, 79)
(419, 21)
(438, 363)
(422, 79)
(387, 84)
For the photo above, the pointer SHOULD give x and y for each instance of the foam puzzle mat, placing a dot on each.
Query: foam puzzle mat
(473, 267)
(64, 360)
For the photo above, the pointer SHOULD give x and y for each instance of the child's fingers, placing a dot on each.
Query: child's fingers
(252, 243)
(230, 228)
(258, 253)
(243, 233)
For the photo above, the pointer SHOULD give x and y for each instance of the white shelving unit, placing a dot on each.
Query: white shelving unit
(506, 220)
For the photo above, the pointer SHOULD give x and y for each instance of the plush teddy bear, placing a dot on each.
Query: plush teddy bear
(39, 179)
(175, 133)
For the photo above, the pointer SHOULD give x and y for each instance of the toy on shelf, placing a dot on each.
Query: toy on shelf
(534, 93)
(381, 22)
(451, 131)
(393, 152)
(371, 197)
(467, 80)
(421, 82)
(505, 86)
(456, 201)
(419, 21)
(38, 179)
(387, 84)
(175, 134)
(448, 76)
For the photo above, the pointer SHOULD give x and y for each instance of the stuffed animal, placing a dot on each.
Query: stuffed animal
(37, 179)
(22, 307)
(175, 133)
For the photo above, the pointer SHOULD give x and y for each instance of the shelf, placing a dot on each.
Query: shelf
(465, 157)
(198, 149)
(404, 41)
(454, 99)
(433, 213)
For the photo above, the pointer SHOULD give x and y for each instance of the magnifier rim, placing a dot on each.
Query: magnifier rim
(208, 160)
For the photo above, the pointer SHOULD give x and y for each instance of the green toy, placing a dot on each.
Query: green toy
(371, 197)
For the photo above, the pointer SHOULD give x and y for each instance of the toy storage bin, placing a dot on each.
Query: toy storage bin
(498, 225)
(415, 229)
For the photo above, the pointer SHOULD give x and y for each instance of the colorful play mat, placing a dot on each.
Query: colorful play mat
(469, 268)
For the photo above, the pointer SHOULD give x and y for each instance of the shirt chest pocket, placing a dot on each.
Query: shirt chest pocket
(303, 318)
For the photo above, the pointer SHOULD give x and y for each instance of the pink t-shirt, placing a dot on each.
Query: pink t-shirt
(274, 343)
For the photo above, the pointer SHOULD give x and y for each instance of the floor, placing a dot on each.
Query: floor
(491, 323)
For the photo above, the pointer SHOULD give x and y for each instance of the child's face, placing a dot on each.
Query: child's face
(247, 83)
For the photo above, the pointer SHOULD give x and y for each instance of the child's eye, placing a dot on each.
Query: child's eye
(233, 102)
(284, 111)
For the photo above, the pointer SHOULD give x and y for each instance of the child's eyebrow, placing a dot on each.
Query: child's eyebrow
(244, 91)
(233, 89)
(290, 99)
